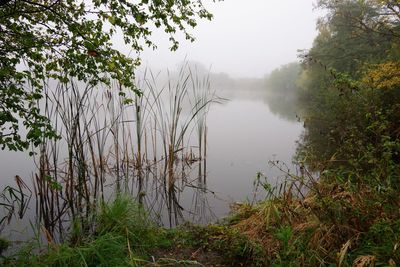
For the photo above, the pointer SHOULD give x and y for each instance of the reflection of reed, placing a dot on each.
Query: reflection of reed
(186, 200)
(112, 142)
(14, 200)
(201, 212)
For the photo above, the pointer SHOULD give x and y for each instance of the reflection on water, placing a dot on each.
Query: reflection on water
(241, 136)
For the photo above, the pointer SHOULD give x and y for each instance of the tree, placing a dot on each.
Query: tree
(350, 88)
(72, 39)
(352, 33)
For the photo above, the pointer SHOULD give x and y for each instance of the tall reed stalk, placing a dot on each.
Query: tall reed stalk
(112, 142)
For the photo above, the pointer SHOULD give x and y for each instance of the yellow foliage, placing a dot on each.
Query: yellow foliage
(383, 76)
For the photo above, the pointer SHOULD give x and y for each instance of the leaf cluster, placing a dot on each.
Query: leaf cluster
(60, 40)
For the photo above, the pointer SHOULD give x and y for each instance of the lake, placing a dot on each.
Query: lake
(243, 135)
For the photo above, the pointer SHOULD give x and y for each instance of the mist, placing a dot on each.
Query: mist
(190, 143)
(245, 39)
(272, 139)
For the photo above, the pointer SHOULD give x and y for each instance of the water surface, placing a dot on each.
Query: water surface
(243, 136)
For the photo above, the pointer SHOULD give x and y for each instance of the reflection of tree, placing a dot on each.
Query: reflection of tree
(285, 106)
(282, 91)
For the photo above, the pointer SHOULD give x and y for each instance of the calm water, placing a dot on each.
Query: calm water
(243, 135)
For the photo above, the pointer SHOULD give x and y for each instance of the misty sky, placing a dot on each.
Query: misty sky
(245, 39)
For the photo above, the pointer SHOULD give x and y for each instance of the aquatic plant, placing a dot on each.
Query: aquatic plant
(111, 141)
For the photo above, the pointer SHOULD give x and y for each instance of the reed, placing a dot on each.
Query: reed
(189, 98)
(113, 140)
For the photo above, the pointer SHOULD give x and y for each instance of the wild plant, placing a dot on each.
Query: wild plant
(112, 140)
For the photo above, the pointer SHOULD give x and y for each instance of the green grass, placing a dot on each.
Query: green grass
(123, 235)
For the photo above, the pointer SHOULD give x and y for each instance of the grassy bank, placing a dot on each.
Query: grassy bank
(337, 223)
(124, 236)
(334, 225)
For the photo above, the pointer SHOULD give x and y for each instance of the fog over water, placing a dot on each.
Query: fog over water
(244, 42)
(245, 38)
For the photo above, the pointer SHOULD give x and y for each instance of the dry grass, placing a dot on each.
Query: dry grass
(325, 220)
